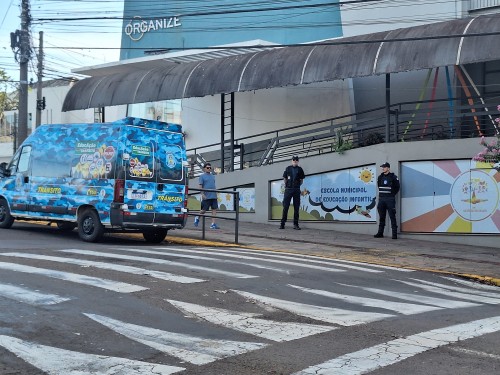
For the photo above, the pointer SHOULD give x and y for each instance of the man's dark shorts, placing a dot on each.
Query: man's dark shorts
(209, 203)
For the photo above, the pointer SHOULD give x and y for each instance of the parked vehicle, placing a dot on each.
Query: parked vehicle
(129, 175)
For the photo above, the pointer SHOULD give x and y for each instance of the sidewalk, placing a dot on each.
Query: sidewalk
(477, 263)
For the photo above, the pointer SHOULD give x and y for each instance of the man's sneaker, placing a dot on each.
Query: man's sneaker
(214, 226)
(196, 221)
(296, 227)
(378, 235)
(282, 226)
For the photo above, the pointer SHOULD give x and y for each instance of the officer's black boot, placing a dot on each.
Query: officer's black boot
(380, 233)
(394, 233)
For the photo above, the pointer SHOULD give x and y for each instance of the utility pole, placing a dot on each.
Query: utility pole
(24, 58)
(39, 102)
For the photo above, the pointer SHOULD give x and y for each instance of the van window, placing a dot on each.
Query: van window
(21, 161)
(170, 163)
(55, 164)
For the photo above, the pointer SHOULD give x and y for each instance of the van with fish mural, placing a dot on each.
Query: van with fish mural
(128, 175)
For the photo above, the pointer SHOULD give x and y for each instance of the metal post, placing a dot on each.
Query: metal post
(222, 135)
(237, 219)
(24, 57)
(38, 120)
(231, 150)
(387, 107)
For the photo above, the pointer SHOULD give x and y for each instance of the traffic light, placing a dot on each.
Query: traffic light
(40, 104)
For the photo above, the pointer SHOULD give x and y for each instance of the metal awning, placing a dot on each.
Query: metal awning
(456, 42)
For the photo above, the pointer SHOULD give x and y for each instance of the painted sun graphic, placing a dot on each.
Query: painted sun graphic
(366, 175)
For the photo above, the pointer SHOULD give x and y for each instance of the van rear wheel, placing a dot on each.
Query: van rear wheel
(155, 236)
(90, 228)
(6, 219)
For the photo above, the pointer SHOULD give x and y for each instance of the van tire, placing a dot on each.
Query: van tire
(90, 228)
(155, 236)
(65, 226)
(6, 219)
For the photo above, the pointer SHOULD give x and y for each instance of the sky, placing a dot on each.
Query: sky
(67, 44)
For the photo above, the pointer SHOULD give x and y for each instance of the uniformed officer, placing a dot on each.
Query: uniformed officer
(388, 187)
(293, 176)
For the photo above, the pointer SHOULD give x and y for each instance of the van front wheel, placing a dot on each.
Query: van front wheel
(90, 228)
(155, 236)
(6, 219)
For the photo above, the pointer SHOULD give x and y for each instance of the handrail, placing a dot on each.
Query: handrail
(236, 219)
(407, 124)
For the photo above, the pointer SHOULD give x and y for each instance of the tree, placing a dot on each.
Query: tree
(8, 101)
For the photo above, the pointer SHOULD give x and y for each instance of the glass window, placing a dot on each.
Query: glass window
(21, 161)
(57, 164)
(166, 111)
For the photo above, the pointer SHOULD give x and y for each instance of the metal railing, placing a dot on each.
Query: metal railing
(409, 122)
(236, 218)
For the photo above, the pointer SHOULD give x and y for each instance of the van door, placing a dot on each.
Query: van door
(171, 179)
(140, 176)
(21, 185)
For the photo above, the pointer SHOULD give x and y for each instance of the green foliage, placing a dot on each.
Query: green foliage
(8, 101)
(341, 145)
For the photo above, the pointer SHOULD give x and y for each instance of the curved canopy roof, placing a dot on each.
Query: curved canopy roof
(447, 43)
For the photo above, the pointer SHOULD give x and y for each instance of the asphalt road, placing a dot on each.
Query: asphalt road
(125, 307)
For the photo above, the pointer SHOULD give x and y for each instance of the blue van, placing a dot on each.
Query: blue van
(128, 175)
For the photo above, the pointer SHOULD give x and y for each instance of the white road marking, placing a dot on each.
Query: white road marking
(312, 259)
(110, 266)
(399, 307)
(441, 302)
(248, 323)
(30, 297)
(378, 356)
(473, 284)
(324, 314)
(449, 293)
(299, 261)
(460, 289)
(295, 264)
(55, 361)
(115, 286)
(476, 353)
(159, 261)
(196, 350)
(212, 259)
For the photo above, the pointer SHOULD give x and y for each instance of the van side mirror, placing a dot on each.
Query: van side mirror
(4, 172)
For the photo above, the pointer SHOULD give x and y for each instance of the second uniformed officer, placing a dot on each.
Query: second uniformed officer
(388, 187)
(293, 176)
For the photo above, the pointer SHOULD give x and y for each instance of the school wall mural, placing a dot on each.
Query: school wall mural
(346, 195)
(449, 196)
(226, 200)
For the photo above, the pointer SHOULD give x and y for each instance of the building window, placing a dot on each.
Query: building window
(166, 110)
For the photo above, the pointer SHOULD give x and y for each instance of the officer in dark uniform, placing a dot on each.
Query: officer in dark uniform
(388, 187)
(293, 176)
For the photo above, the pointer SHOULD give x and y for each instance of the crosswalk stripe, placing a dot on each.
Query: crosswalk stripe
(109, 266)
(440, 302)
(388, 353)
(212, 259)
(159, 261)
(115, 286)
(30, 297)
(460, 289)
(196, 350)
(399, 307)
(325, 314)
(449, 293)
(55, 361)
(248, 323)
(472, 284)
(297, 262)
(313, 259)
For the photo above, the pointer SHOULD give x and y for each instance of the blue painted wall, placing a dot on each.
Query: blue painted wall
(185, 24)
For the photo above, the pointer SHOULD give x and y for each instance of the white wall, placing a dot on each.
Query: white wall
(358, 19)
(265, 110)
